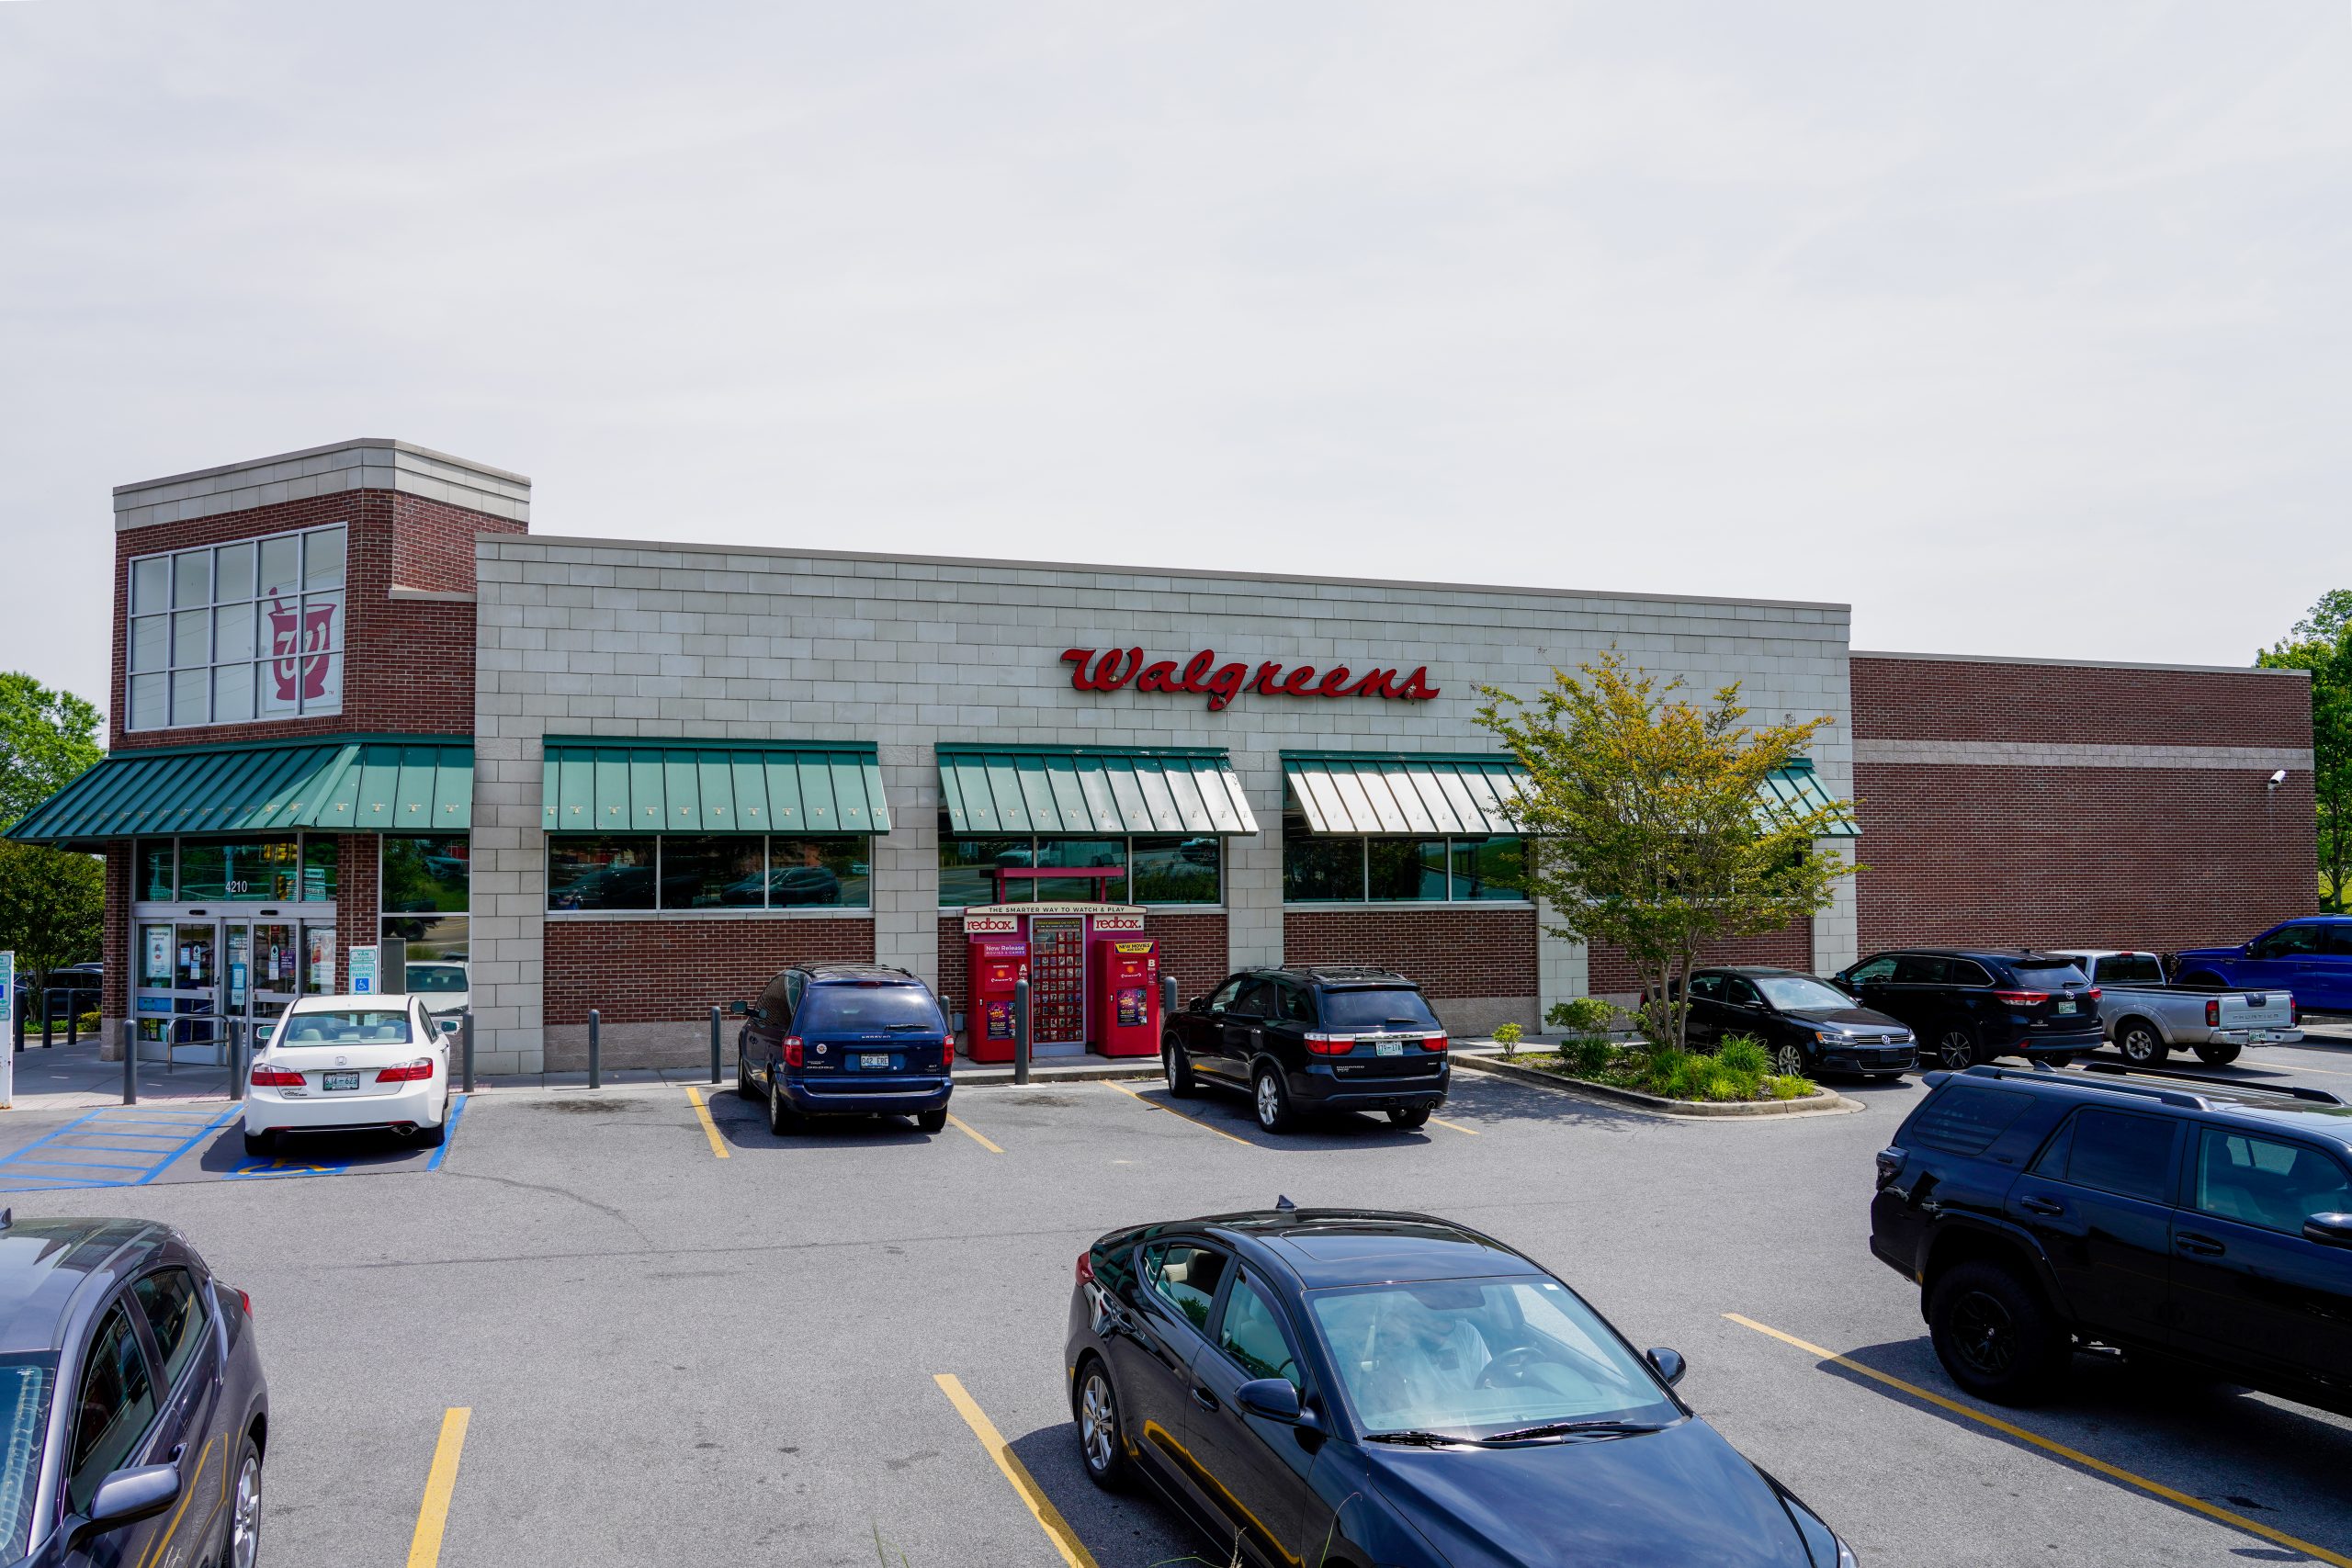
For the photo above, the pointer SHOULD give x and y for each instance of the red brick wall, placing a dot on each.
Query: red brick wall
(1451, 950)
(1929, 699)
(358, 872)
(663, 971)
(114, 941)
(407, 666)
(1609, 973)
(1191, 947)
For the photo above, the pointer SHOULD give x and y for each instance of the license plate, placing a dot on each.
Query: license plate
(338, 1081)
(1388, 1048)
(2065, 1004)
(2265, 1037)
(873, 1061)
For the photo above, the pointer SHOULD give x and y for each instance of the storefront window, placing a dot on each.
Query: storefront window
(612, 873)
(1320, 866)
(226, 634)
(153, 870)
(239, 871)
(424, 874)
(820, 872)
(320, 853)
(967, 870)
(712, 873)
(1083, 854)
(1405, 870)
(429, 937)
(1491, 868)
(1176, 870)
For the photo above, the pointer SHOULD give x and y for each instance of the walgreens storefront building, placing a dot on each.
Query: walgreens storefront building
(356, 698)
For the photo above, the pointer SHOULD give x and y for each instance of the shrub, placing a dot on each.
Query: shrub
(1792, 1087)
(1588, 1058)
(1744, 1054)
(1586, 1015)
(1507, 1036)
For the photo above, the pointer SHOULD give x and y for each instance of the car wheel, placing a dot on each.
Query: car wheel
(432, 1138)
(1956, 1049)
(1419, 1116)
(1788, 1059)
(2218, 1056)
(1177, 1068)
(744, 1084)
(1272, 1100)
(1995, 1335)
(1102, 1440)
(241, 1537)
(2142, 1046)
(782, 1120)
(260, 1145)
(932, 1120)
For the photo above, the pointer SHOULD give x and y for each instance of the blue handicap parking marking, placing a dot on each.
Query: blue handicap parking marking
(144, 1143)
(272, 1169)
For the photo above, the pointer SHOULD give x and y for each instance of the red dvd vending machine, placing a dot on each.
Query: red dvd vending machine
(996, 964)
(1122, 995)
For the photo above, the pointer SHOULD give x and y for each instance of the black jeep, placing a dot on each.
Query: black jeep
(1325, 1037)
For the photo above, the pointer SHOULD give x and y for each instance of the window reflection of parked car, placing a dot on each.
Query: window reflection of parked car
(446, 987)
(608, 887)
(804, 885)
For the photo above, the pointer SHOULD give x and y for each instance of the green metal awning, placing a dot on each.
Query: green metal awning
(1089, 789)
(1360, 792)
(349, 783)
(598, 785)
(1415, 792)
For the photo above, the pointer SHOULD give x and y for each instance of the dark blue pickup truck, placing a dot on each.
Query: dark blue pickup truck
(2310, 957)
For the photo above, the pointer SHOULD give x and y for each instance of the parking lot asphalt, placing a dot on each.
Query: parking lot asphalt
(799, 1352)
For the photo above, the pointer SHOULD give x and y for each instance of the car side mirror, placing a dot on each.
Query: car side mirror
(1273, 1398)
(741, 1010)
(1668, 1363)
(2329, 1230)
(125, 1498)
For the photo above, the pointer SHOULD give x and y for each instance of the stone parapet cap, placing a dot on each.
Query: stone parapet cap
(366, 463)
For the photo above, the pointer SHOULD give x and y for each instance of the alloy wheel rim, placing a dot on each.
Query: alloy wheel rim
(1095, 1423)
(1984, 1337)
(2138, 1046)
(244, 1523)
(1956, 1049)
(1791, 1062)
(1269, 1099)
(1167, 1064)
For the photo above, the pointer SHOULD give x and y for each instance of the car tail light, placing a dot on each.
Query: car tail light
(1331, 1044)
(1086, 1266)
(1434, 1043)
(2294, 1012)
(244, 1301)
(2023, 998)
(407, 1072)
(2092, 994)
(1890, 1165)
(275, 1077)
(2213, 1015)
(792, 1053)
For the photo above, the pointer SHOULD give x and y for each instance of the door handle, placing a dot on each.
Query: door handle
(2042, 1205)
(178, 1449)
(2198, 1246)
(1203, 1398)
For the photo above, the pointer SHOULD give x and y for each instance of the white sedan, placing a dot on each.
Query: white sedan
(339, 1062)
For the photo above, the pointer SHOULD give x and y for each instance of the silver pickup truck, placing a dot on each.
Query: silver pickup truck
(2147, 1018)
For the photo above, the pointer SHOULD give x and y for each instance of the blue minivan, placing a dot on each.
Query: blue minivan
(846, 1039)
(2312, 957)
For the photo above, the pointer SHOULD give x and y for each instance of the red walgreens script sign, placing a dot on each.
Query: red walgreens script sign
(1204, 676)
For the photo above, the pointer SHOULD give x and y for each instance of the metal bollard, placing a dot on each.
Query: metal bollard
(129, 1062)
(466, 1046)
(48, 1024)
(713, 1045)
(595, 1049)
(237, 1058)
(1169, 1001)
(1021, 1032)
(73, 1019)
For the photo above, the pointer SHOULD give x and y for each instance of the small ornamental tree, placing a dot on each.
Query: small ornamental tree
(1644, 822)
(2321, 643)
(50, 900)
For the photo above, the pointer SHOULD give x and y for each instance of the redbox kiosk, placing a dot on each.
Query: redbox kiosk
(1122, 995)
(1060, 949)
(996, 964)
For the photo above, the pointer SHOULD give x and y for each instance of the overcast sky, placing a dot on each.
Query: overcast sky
(2023, 329)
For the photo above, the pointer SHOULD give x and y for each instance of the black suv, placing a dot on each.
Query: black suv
(1319, 1036)
(1971, 1005)
(846, 1040)
(2160, 1215)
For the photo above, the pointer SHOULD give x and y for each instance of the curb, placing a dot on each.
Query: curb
(995, 1077)
(1825, 1102)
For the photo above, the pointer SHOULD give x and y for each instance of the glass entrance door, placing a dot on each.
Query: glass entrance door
(263, 973)
(180, 995)
(1057, 984)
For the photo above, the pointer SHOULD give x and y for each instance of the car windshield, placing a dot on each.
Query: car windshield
(1396, 1009)
(1471, 1358)
(24, 1418)
(343, 1026)
(2050, 975)
(868, 1006)
(435, 979)
(1792, 993)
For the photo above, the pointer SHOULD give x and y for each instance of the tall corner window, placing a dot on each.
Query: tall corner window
(233, 633)
(424, 895)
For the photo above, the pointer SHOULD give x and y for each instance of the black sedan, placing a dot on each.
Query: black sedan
(1359, 1388)
(1808, 1025)
(132, 1397)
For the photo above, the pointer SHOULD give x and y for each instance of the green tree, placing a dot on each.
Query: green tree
(47, 740)
(51, 901)
(1644, 825)
(2321, 643)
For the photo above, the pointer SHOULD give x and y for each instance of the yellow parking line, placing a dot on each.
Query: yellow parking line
(424, 1548)
(1041, 1508)
(962, 1126)
(1178, 1114)
(1455, 1125)
(709, 1127)
(2073, 1455)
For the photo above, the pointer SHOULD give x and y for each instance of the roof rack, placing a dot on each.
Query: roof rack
(2181, 1098)
(2118, 1069)
(1346, 969)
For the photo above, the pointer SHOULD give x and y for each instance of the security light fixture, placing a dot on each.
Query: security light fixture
(2278, 778)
